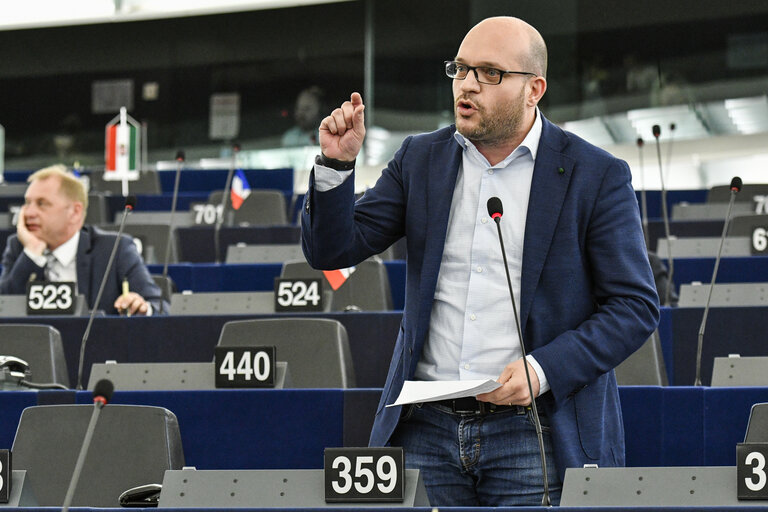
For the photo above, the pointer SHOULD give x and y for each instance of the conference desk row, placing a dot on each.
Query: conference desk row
(372, 336)
(289, 429)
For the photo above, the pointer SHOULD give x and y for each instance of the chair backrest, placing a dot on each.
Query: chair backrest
(97, 209)
(153, 239)
(263, 253)
(744, 225)
(367, 288)
(757, 427)
(722, 193)
(222, 303)
(316, 349)
(38, 345)
(148, 183)
(645, 367)
(166, 285)
(704, 247)
(724, 295)
(131, 446)
(262, 208)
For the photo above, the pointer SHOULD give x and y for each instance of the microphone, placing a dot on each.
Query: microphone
(225, 202)
(496, 210)
(130, 203)
(665, 216)
(735, 188)
(102, 394)
(643, 198)
(179, 164)
(672, 128)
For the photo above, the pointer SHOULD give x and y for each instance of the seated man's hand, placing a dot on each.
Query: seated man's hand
(131, 304)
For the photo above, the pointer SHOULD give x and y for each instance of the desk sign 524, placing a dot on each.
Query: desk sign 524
(304, 294)
(244, 367)
(364, 475)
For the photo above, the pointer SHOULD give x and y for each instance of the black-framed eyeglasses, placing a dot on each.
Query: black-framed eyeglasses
(483, 74)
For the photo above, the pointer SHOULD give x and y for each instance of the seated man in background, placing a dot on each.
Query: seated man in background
(52, 244)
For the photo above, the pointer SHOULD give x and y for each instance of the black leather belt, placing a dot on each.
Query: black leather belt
(470, 405)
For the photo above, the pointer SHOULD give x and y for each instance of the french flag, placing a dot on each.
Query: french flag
(336, 278)
(240, 189)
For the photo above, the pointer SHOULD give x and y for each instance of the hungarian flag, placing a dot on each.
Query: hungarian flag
(240, 189)
(336, 278)
(122, 148)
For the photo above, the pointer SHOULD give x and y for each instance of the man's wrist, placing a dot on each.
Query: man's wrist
(339, 165)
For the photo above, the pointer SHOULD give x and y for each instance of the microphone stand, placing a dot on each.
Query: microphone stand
(700, 341)
(224, 203)
(643, 195)
(545, 501)
(665, 216)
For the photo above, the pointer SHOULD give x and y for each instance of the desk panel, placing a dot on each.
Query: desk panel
(372, 339)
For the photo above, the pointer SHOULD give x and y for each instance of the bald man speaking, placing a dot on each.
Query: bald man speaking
(576, 256)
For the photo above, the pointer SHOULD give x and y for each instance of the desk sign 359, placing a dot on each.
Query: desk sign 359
(364, 475)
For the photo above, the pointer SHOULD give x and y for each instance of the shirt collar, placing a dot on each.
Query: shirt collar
(67, 251)
(531, 140)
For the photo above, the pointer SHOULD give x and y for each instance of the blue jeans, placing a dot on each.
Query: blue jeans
(468, 460)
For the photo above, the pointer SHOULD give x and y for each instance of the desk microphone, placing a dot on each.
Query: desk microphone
(225, 202)
(130, 203)
(179, 164)
(735, 188)
(643, 198)
(665, 216)
(496, 210)
(102, 393)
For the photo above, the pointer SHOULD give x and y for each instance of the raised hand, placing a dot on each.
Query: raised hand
(342, 132)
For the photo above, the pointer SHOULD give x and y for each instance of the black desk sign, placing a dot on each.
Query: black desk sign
(244, 367)
(759, 243)
(752, 471)
(298, 294)
(46, 298)
(5, 475)
(356, 475)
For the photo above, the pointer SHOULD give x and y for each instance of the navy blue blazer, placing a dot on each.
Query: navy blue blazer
(588, 298)
(93, 252)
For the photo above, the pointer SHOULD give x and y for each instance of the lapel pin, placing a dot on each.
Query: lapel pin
(561, 170)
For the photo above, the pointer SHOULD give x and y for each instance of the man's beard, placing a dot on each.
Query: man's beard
(495, 127)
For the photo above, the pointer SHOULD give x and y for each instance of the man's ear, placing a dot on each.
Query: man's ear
(78, 211)
(538, 86)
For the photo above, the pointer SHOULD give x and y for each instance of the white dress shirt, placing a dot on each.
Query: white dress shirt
(472, 332)
(60, 264)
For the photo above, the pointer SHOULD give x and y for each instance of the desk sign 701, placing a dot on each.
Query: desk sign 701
(357, 475)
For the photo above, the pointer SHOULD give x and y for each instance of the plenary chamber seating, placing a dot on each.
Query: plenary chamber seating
(41, 347)
(366, 289)
(261, 208)
(316, 349)
(152, 241)
(263, 253)
(131, 446)
(223, 303)
(724, 295)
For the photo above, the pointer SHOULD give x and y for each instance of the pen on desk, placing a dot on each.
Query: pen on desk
(126, 290)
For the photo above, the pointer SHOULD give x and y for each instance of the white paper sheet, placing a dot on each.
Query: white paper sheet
(430, 391)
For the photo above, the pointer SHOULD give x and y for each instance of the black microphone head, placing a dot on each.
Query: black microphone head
(103, 390)
(130, 202)
(656, 130)
(640, 142)
(179, 156)
(736, 184)
(495, 209)
(235, 147)
(672, 126)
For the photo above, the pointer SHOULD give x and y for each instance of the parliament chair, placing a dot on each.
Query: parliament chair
(260, 208)
(645, 367)
(131, 446)
(223, 303)
(263, 253)
(316, 349)
(366, 289)
(41, 347)
(148, 183)
(724, 295)
(166, 285)
(152, 241)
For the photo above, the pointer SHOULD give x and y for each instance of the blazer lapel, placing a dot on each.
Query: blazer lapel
(84, 267)
(443, 169)
(551, 176)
